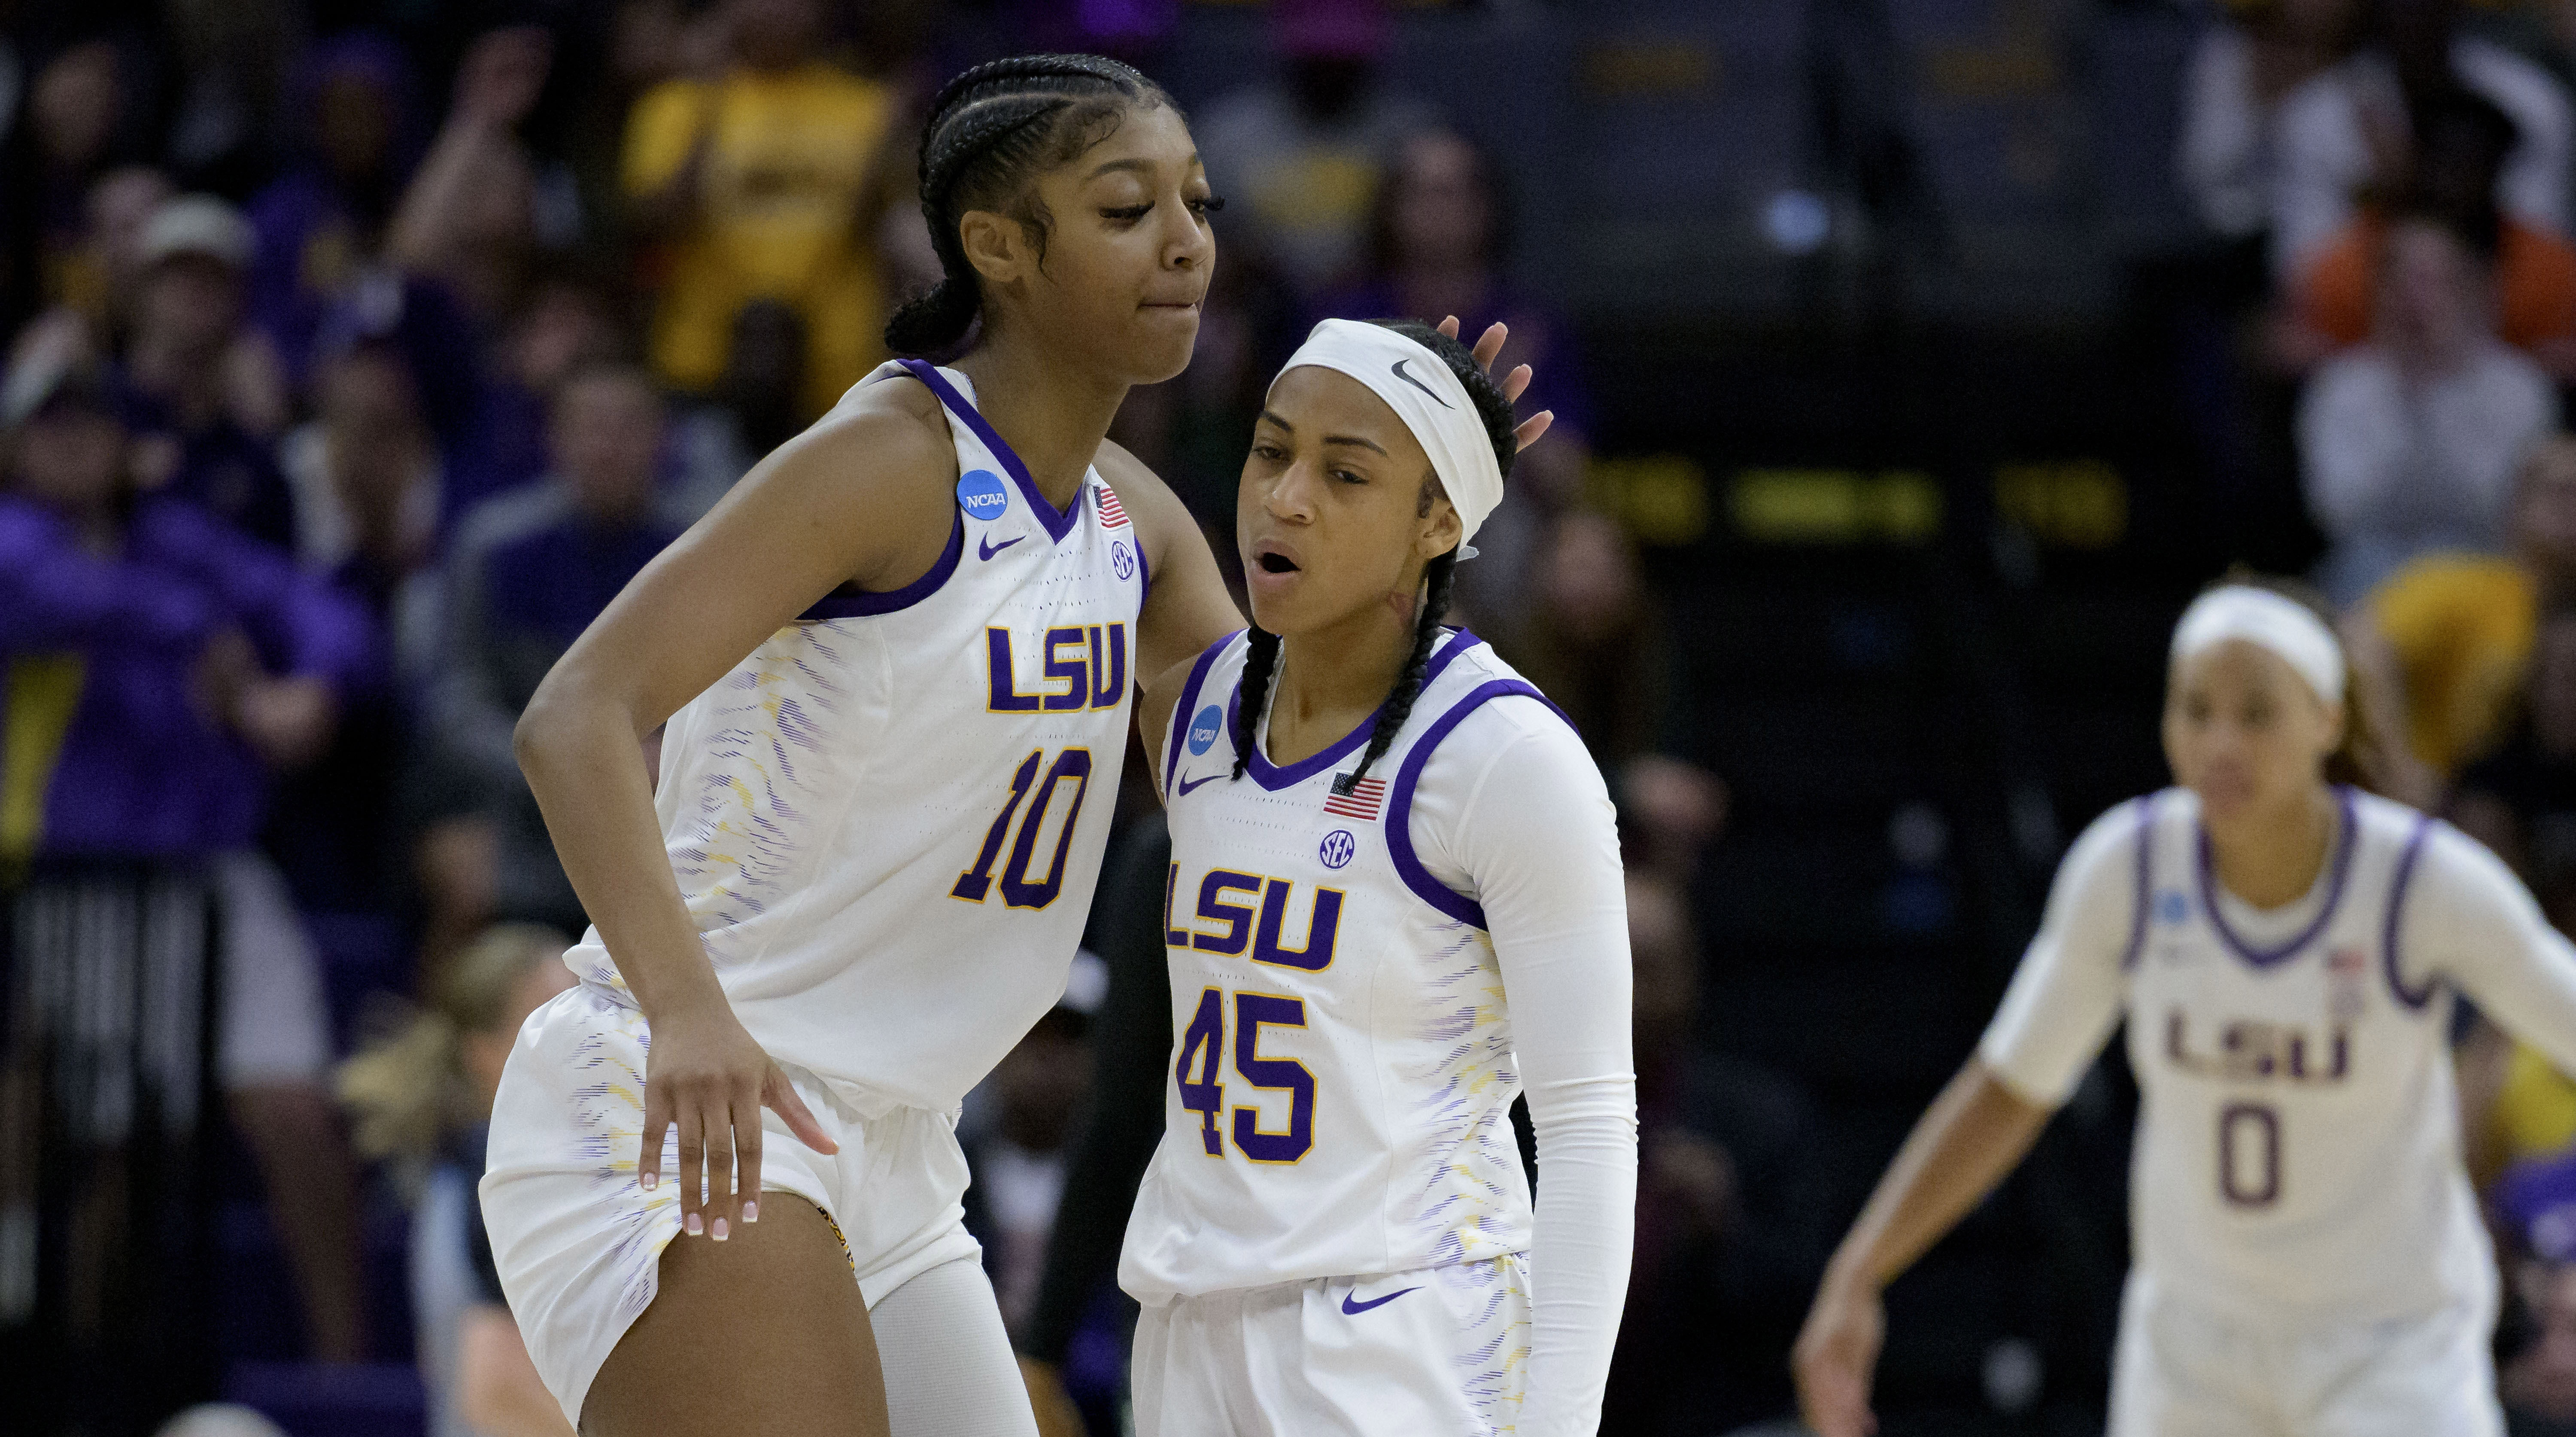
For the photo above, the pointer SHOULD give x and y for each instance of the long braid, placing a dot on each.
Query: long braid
(1260, 665)
(1408, 684)
(990, 128)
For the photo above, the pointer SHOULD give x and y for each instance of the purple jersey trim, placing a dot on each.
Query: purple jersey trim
(1274, 778)
(1181, 710)
(1057, 522)
(2344, 845)
(2413, 998)
(2146, 883)
(857, 604)
(1144, 575)
(1399, 807)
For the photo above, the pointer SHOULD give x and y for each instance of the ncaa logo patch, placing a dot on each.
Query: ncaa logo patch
(1203, 730)
(981, 495)
(1122, 561)
(1337, 848)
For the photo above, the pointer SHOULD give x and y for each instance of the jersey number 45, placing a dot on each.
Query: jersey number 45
(1203, 1047)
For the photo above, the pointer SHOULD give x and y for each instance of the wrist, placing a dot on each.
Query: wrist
(686, 996)
(1850, 1275)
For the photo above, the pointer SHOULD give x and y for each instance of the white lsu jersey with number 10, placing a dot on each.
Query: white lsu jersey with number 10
(1343, 1073)
(887, 821)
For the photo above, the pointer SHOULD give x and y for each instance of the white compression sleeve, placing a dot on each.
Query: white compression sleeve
(948, 1366)
(1512, 811)
(2470, 920)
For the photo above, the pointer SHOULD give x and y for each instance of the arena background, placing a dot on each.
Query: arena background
(1912, 371)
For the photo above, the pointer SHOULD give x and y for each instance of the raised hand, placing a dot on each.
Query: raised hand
(1489, 346)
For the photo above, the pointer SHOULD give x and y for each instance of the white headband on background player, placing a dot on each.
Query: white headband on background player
(2272, 621)
(1427, 395)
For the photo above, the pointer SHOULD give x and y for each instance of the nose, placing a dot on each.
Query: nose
(1291, 499)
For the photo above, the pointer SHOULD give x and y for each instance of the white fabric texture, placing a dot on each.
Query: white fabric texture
(948, 1366)
(2180, 1373)
(1525, 837)
(2393, 466)
(1427, 395)
(1428, 1353)
(2267, 620)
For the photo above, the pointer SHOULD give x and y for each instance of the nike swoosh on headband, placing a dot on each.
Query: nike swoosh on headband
(1353, 1307)
(1398, 367)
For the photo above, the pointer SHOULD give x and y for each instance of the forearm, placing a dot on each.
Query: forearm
(1583, 1240)
(1971, 1136)
(583, 759)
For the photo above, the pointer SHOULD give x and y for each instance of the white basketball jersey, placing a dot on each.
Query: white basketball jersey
(2298, 1138)
(887, 821)
(1342, 1071)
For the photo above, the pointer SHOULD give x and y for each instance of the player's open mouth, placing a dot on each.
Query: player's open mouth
(1277, 564)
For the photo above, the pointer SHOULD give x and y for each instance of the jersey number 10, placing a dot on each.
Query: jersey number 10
(1019, 890)
(1203, 1047)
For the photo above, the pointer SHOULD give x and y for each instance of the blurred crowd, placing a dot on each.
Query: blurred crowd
(357, 354)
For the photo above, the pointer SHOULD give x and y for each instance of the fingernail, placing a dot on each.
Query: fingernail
(693, 1225)
(750, 1213)
(647, 1180)
(720, 1233)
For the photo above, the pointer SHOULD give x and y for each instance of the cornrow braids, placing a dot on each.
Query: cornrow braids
(990, 129)
(1438, 576)
(1260, 664)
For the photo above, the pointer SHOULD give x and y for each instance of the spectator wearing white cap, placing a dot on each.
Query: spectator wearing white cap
(205, 387)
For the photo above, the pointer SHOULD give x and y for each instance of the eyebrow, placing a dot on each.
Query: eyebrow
(1271, 417)
(1138, 164)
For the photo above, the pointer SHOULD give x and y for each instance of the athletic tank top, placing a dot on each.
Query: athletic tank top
(887, 821)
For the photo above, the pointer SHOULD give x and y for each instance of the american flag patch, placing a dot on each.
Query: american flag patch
(1111, 515)
(1363, 801)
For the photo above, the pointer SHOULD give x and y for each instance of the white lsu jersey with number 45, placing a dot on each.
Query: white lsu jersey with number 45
(2297, 1139)
(1342, 1078)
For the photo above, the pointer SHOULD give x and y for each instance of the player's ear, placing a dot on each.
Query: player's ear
(1440, 531)
(996, 244)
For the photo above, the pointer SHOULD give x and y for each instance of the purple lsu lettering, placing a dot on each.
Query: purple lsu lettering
(1259, 928)
(1088, 661)
(2250, 1050)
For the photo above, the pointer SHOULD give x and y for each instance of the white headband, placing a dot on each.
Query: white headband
(2276, 622)
(1420, 387)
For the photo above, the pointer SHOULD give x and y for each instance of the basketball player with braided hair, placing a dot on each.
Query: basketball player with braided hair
(1395, 901)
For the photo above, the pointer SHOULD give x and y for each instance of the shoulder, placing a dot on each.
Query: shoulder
(2110, 848)
(892, 425)
(1139, 489)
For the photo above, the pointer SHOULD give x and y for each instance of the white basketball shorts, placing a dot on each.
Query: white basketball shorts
(1438, 1352)
(2185, 1373)
(579, 1244)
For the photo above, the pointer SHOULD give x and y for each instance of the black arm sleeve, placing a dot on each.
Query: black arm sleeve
(1131, 1042)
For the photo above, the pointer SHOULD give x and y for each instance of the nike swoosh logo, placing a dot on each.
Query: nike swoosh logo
(1190, 783)
(1353, 1307)
(1436, 399)
(986, 548)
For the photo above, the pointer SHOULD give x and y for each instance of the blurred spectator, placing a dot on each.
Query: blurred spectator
(1021, 1140)
(75, 109)
(98, 280)
(2535, 1206)
(2454, 631)
(1301, 154)
(2346, 131)
(1730, 1229)
(756, 406)
(467, 219)
(2461, 141)
(206, 389)
(1439, 239)
(232, 57)
(421, 1097)
(161, 664)
(2242, 68)
(529, 571)
(756, 180)
(2409, 443)
(560, 325)
(321, 223)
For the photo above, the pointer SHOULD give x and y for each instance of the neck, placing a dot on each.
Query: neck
(2269, 859)
(1051, 411)
(1331, 678)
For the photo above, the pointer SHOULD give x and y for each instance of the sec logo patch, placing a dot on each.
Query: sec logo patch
(1122, 561)
(1337, 848)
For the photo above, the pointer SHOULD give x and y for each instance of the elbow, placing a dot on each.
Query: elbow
(531, 737)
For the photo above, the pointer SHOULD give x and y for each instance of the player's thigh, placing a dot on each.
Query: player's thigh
(763, 1333)
(947, 1360)
(2431, 1377)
